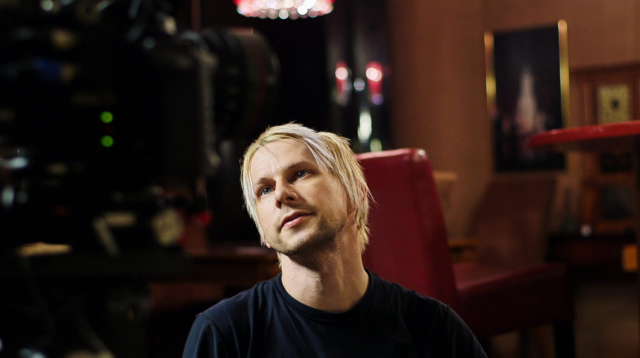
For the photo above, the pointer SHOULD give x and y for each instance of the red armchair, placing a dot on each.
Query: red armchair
(408, 245)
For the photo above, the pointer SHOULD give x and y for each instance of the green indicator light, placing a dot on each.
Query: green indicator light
(106, 117)
(107, 141)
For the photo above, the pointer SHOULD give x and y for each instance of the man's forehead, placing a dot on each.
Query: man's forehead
(279, 155)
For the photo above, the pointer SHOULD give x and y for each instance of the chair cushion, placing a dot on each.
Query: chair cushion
(494, 300)
(408, 242)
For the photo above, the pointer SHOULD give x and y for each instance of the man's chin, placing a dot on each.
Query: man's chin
(302, 245)
(289, 248)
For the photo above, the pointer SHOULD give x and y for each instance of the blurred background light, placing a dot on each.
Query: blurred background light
(284, 9)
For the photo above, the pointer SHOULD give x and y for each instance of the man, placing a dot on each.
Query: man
(308, 197)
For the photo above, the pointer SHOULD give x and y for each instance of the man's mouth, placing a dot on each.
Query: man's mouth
(293, 219)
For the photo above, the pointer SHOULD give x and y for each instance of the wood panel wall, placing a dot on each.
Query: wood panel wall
(439, 99)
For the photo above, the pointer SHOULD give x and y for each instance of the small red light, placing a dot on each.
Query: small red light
(375, 76)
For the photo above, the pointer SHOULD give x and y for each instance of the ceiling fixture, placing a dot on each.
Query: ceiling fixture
(284, 9)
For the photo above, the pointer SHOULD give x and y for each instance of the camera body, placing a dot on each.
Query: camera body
(107, 121)
(111, 121)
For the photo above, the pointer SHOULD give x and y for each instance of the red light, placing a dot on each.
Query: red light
(375, 75)
(342, 82)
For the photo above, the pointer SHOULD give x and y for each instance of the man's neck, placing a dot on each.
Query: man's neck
(334, 282)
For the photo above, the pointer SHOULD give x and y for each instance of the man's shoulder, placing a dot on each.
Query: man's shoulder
(431, 321)
(226, 328)
(243, 305)
(408, 298)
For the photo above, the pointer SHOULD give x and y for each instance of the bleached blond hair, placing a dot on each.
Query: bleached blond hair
(332, 153)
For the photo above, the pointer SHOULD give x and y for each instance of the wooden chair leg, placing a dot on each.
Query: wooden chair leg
(564, 339)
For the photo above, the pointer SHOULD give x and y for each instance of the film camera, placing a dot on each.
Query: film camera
(108, 115)
(110, 121)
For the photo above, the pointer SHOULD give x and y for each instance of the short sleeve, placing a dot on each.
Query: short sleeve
(204, 340)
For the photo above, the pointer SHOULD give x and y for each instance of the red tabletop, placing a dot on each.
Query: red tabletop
(596, 137)
(624, 135)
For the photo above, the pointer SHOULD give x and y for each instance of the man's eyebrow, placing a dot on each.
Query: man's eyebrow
(260, 181)
(290, 167)
(300, 163)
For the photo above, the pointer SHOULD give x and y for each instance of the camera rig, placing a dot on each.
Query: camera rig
(109, 115)
(110, 121)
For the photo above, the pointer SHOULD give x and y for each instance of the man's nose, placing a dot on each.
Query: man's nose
(285, 192)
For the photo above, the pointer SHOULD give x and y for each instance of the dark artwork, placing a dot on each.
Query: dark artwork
(528, 98)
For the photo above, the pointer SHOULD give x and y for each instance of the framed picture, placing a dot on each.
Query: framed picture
(527, 75)
(614, 103)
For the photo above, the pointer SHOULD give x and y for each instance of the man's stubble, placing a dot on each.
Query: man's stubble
(323, 238)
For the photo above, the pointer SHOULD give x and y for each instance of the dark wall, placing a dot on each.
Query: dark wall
(301, 50)
(303, 97)
(308, 50)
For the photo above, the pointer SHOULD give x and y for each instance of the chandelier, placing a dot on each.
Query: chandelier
(284, 9)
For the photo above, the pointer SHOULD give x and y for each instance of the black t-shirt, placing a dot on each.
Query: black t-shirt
(389, 321)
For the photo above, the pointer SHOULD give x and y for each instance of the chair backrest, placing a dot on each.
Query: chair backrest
(408, 243)
(511, 220)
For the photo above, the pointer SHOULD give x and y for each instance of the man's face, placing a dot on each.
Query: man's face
(300, 206)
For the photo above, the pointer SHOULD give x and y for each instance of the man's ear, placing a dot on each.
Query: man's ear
(363, 199)
(363, 195)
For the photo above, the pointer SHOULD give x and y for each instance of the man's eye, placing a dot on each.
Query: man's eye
(266, 190)
(301, 174)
